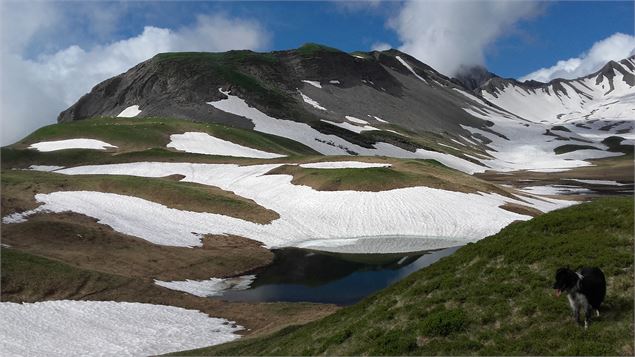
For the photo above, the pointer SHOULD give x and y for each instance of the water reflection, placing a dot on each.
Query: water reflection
(304, 275)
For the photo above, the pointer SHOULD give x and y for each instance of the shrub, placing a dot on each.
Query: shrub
(444, 323)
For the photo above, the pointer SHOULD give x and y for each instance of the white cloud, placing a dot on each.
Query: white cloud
(449, 34)
(34, 91)
(615, 47)
(380, 46)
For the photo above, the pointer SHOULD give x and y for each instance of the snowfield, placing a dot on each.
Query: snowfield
(331, 144)
(600, 182)
(130, 112)
(305, 214)
(46, 168)
(106, 328)
(203, 143)
(350, 127)
(313, 83)
(343, 165)
(555, 190)
(410, 69)
(311, 102)
(584, 111)
(526, 147)
(356, 120)
(210, 287)
(46, 146)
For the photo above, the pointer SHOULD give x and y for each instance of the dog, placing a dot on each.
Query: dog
(585, 289)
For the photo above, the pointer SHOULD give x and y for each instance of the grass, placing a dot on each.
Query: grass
(615, 144)
(563, 149)
(230, 67)
(19, 187)
(241, 56)
(144, 133)
(402, 173)
(492, 297)
(312, 49)
(27, 277)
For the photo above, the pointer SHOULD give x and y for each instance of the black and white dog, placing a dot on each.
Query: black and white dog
(585, 289)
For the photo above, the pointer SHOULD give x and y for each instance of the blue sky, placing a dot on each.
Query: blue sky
(54, 52)
(558, 30)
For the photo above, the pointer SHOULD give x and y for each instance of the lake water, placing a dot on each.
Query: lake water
(313, 276)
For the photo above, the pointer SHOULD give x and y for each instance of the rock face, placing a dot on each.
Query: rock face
(389, 85)
(473, 77)
(375, 100)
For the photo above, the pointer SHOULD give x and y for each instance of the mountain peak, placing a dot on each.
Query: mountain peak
(473, 77)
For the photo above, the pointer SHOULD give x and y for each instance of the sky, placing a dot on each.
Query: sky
(54, 52)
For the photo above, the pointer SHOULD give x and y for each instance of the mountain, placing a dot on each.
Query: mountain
(473, 77)
(382, 103)
(183, 176)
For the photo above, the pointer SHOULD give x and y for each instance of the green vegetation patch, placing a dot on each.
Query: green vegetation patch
(561, 128)
(402, 173)
(144, 133)
(312, 49)
(27, 277)
(230, 67)
(563, 149)
(492, 297)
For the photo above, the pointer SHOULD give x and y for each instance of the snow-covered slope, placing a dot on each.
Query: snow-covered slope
(46, 146)
(441, 218)
(203, 143)
(106, 328)
(383, 103)
(558, 125)
(606, 94)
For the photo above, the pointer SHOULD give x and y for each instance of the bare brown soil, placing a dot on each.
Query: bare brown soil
(20, 187)
(402, 174)
(620, 169)
(44, 279)
(82, 242)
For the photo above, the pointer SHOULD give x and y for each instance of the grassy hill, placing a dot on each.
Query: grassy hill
(493, 297)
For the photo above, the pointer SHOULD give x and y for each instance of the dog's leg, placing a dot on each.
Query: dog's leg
(572, 303)
(597, 313)
(588, 314)
(576, 314)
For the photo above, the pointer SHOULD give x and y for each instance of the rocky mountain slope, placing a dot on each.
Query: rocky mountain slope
(383, 103)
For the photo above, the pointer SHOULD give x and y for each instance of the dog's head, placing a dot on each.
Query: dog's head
(566, 279)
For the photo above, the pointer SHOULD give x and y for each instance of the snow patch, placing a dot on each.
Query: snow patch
(46, 146)
(203, 143)
(98, 328)
(331, 144)
(130, 112)
(411, 69)
(600, 182)
(343, 165)
(554, 190)
(45, 168)
(350, 127)
(356, 120)
(311, 102)
(305, 214)
(313, 83)
(369, 245)
(335, 81)
(210, 287)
